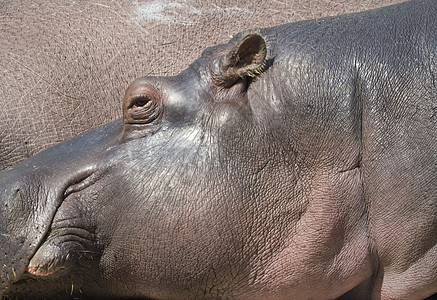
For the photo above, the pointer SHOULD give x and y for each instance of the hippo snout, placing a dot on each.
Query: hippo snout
(31, 194)
(20, 231)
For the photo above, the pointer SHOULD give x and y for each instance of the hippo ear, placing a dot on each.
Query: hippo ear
(246, 59)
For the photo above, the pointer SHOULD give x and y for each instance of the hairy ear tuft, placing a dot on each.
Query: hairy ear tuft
(246, 59)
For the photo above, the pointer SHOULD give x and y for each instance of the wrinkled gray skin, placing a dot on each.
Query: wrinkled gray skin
(295, 162)
(64, 66)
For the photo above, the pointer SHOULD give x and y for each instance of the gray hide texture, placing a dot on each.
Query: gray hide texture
(64, 66)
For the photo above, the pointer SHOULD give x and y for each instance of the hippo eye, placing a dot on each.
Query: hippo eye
(141, 105)
(141, 102)
(142, 110)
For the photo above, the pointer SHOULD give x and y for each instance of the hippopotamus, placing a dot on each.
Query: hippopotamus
(64, 68)
(293, 162)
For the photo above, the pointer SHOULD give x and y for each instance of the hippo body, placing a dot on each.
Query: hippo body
(294, 162)
(64, 68)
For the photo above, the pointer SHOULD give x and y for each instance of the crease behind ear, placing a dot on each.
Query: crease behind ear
(246, 59)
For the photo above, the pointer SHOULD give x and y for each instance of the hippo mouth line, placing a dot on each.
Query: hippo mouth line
(52, 263)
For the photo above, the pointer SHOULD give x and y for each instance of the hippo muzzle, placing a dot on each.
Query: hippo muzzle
(31, 194)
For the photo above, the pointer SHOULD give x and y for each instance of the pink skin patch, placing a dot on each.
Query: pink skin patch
(36, 273)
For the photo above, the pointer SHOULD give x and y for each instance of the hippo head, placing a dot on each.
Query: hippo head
(199, 191)
(150, 205)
